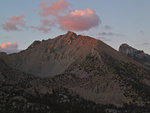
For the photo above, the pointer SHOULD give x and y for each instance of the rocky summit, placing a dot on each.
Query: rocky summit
(72, 74)
(137, 55)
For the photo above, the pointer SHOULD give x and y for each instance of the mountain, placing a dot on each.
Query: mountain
(137, 55)
(54, 56)
(73, 73)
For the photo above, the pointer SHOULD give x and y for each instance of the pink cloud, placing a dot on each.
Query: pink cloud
(48, 8)
(45, 26)
(17, 20)
(79, 20)
(9, 26)
(13, 23)
(9, 47)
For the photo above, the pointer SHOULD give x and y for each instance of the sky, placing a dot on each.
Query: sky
(112, 21)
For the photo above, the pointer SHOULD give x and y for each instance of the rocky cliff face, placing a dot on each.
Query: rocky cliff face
(73, 72)
(135, 54)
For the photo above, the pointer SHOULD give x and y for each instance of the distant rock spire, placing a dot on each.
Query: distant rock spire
(137, 55)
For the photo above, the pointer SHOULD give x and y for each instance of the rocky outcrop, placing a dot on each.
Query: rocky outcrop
(137, 55)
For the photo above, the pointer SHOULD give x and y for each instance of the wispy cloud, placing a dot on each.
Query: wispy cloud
(104, 39)
(109, 34)
(107, 27)
(45, 26)
(13, 23)
(53, 8)
(145, 43)
(142, 32)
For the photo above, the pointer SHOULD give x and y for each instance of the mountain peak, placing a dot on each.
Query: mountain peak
(128, 49)
(69, 37)
(70, 32)
(137, 55)
(124, 45)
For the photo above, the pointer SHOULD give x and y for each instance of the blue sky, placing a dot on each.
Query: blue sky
(122, 21)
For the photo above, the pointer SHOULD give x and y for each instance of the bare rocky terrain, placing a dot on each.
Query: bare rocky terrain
(137, 55)
(72, 74)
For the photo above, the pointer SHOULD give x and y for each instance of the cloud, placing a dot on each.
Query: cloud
(109, 34)
(45, 26)
(55, 8)
(9, 47)
(105, 39)
(79, 20)
(142, 32)
(146, 43)
(107, 27)
(13, 23)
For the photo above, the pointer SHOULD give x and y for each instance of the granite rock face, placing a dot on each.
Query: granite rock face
(137, 55)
